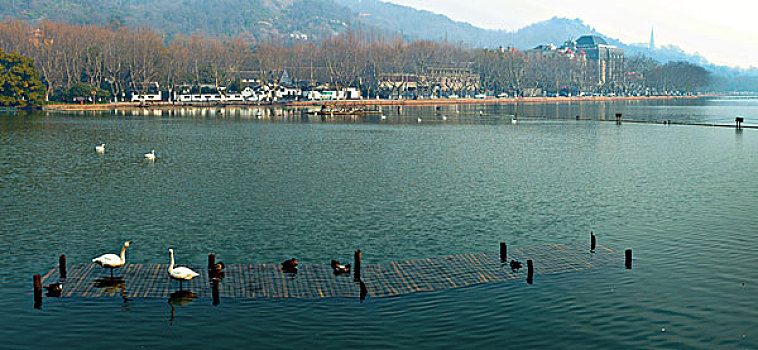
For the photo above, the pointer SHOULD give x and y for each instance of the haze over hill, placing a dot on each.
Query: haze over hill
(314, 20)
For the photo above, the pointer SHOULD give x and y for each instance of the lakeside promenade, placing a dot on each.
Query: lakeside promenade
(363, 103)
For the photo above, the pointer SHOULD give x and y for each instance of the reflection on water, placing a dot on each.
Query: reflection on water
(110, 282)
(702, 110)
(215, 285)
(178, 299)
(111, 286)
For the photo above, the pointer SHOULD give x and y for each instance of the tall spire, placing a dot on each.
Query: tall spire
(652, 39)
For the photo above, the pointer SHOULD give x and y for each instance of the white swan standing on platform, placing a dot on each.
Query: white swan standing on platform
(100, 149)
(180, 273)
(112, 261)
(150, 155)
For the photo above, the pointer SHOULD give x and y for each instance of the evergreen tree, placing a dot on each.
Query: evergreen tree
(20, 84)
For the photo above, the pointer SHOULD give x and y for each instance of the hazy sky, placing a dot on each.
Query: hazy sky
(725, 31)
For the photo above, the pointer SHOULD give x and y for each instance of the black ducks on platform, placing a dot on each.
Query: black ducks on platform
(515, 265)
(217, 270)
(290, 266)
(54, 289)
(338, 269)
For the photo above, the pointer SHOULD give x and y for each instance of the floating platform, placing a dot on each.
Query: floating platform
(318, 281)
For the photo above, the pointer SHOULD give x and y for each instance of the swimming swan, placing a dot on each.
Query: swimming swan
(150, 155)
(100, 149)
(112, 261)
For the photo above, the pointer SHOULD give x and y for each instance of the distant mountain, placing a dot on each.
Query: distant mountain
(419, 24)
(314, 20)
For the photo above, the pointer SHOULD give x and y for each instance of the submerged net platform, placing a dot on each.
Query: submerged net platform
(317, 281)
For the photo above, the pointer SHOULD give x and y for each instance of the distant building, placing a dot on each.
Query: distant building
(544, 50)
(348, 93)
(450, 79)
(284, 78)
(608, 59)
(568, 49)
(604, 63)
(433, 81)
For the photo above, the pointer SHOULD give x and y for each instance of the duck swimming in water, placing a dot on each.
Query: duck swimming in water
(515, 265)
(290, 266)
(340, 268)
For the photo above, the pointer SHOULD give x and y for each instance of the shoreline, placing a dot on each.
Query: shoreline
(363, 103)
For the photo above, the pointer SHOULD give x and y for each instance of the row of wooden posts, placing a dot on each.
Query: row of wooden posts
(356, 270)
(530, 263)
(737, 121)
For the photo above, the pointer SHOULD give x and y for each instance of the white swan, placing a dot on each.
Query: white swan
(112, 261)
(384, 117)
(100, 149)
(150, 155)
(419, 119)
(444, 118)
(180, 273)
(514, 121)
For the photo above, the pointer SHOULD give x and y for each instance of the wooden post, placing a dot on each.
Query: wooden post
(211, 262)
(62, 266)
(628, 258)
(37, 291)
(618, 118)
(593, 242)
(503, 252)
(364, 290)
(530, 271)
(738, 121)
(577, 117)
(357, 266)
(215, 283)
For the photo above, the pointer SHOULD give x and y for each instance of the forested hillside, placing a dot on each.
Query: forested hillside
(254, 19)
(288, 20)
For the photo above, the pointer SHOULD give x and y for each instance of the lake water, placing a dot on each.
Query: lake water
(263, 189)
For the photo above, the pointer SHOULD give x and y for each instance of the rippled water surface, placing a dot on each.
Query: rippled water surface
(263, 185)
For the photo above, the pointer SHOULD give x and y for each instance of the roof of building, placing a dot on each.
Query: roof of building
(544, 47)
(590, 41)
